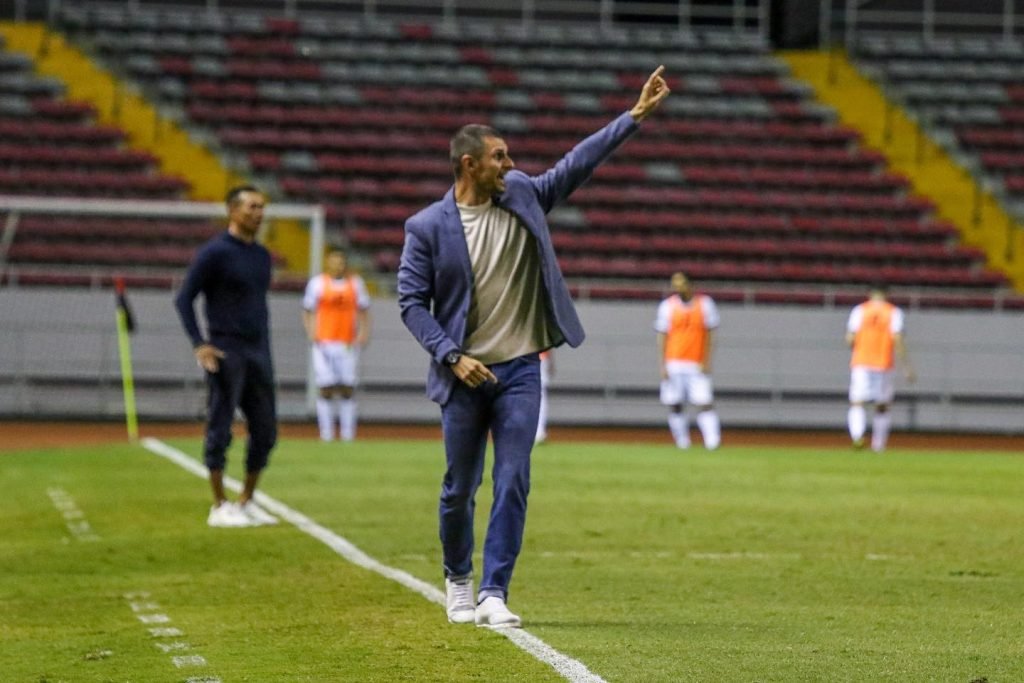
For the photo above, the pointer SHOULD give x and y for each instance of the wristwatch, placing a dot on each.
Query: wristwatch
(452, 358)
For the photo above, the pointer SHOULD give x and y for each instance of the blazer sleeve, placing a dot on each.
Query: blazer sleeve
(416, 293)
(575, 168)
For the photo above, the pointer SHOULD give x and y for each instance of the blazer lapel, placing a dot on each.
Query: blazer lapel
(453, 235)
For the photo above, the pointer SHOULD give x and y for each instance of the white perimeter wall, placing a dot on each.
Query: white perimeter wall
(774, 366)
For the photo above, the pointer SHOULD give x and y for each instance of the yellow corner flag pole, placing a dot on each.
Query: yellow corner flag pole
(125, 326)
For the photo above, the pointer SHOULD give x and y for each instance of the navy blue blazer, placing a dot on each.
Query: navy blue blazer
(435, 277)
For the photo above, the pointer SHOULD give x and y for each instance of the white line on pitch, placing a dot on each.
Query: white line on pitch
(569, 668)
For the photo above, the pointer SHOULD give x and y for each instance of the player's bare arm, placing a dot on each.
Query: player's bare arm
(309, 322)
(654, 91)
(363, 327)
(904, 358)
(705, 367)
(661, 356)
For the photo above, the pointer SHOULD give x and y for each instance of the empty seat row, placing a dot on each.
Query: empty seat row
(117, 230)
(915, 46)
(1007, 73)
(35, 154)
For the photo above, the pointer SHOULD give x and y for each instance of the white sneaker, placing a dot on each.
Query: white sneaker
(257, 515)
(493, 613)
(228, 515)
(459, 600)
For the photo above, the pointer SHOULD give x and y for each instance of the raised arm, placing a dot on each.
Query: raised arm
(576, 167)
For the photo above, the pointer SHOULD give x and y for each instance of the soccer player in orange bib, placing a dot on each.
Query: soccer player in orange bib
(337, 321)
(685, 326)
(875, 333)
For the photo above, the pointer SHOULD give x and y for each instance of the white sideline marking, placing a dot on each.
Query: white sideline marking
(169, 632)
(74, 518)
(569, 668)
(743, 556)
(154, 618)
(188, 660)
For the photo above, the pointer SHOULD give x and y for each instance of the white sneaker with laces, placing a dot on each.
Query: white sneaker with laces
(459, 600)
(228, 515)
(256, 514)
(493, 613)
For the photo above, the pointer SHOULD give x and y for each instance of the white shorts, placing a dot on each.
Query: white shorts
(686, 385)
(335, 364)
(871, 386)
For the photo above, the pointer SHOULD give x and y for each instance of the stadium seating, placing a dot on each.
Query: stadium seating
(741, 179)
(967, 91)
(52, 147)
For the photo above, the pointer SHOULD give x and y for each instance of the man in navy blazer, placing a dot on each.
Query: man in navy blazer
(480, 288)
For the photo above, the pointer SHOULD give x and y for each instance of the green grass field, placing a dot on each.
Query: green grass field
(643, 563)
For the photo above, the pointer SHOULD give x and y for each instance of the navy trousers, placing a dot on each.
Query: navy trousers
(507, 411)
(244, 381)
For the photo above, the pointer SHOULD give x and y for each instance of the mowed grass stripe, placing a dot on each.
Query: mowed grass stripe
(646, 563)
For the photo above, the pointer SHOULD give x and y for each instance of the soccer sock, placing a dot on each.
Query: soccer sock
(880, 431)
(710, 429)
(347, 418)
(680, 429)
(325, 418)
(857, 420)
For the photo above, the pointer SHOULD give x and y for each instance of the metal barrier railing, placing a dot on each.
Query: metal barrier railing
(746, 16)
(935, 18)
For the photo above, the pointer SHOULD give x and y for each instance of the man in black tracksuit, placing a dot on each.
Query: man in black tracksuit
(233, 271)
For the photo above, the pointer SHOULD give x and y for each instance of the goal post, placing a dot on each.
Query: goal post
(13, 209)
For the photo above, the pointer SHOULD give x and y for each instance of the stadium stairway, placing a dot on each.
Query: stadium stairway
(116, 104)
(886, 127)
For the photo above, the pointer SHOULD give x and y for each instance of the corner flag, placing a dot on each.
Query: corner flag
(125, 327)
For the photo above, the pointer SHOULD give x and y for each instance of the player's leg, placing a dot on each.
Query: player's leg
(882, 420)
(701, 395)
(325, 382)
(856, 417)
(672, 395)
(542, 415)
(513, 427)
(348, 360)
